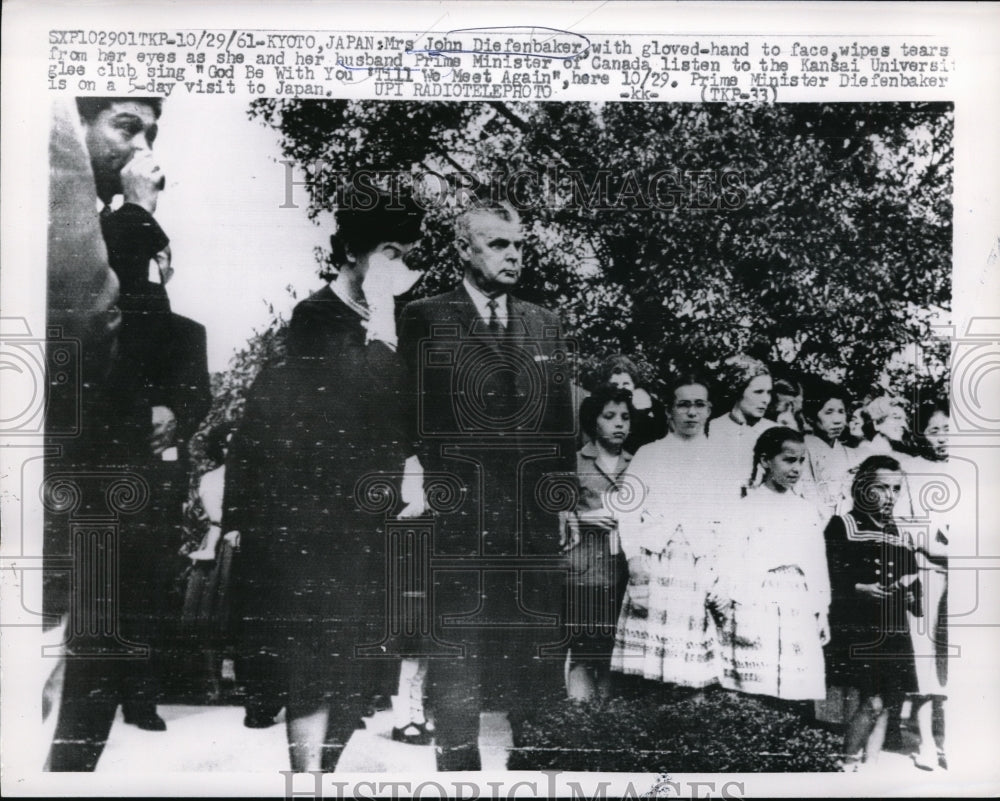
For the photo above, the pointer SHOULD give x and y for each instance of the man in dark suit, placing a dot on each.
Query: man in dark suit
(493, 410)
(155, 393)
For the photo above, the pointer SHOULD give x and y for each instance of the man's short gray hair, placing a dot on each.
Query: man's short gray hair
(498, 208)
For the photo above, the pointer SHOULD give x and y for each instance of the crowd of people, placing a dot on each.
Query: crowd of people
(754, 533)
(789, 561)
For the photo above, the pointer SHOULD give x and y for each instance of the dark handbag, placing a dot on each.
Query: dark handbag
(590, 562)
(207, 598)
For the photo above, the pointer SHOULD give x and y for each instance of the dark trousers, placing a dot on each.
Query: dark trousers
(92, 690)
(93, 684)
(511, 667)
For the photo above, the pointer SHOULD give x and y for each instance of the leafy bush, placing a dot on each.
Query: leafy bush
(673, 731)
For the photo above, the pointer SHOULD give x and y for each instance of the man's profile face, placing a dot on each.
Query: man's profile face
(114, 137)
(492, 252)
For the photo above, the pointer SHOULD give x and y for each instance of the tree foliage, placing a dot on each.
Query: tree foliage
(831, 251)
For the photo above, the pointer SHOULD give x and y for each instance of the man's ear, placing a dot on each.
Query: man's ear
(462, 246)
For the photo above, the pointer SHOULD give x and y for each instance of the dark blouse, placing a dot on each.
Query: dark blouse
(862, 551)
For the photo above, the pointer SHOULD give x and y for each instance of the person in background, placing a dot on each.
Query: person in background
(746, 388)
(829, 461)
(649, 422)
(598, 570)
(933, 543)
(875, 584)
(205, 503)
(206, 609)
(773, 586)
(667, 521)
(786, 406)
(887, 429)
(856, 424)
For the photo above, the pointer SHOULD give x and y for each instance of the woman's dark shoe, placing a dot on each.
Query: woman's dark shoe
(412, 734)
(925, 759)
(258, 720)
(377, 702)
(145, 718)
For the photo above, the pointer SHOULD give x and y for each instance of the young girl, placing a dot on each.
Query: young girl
(828, 459)
(648, 415)
(786, 406)
(665, 632)
(773, 587)
(597, 577)
(930, 636)
(746, 383)
(874, 582)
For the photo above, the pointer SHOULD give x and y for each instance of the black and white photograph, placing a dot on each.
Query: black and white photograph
(457, 428)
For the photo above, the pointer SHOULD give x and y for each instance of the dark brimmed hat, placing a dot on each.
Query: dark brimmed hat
(369, 215)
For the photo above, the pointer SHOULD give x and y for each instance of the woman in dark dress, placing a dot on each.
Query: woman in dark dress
(874, 582)
(311, 478)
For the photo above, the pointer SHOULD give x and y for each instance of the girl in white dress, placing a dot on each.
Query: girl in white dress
(773, 587)
(665, 632)
(747, 388)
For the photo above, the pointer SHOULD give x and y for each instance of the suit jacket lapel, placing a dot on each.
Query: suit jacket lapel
(467, 314)
(518, 323)
(520, 335)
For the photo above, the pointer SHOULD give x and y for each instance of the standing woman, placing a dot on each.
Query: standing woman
(665, 632)
(205, 613)
(773, 583)
(322, 434)
(596, 582)
(829, 460)
(930, 640)
(746, 384)
(887, 432)
(874, 580)
(886, 428)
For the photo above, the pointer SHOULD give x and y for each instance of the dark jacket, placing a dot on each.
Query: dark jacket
(497, 413)
(317, 431)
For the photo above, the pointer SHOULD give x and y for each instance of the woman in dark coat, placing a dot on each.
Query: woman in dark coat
(320, 448)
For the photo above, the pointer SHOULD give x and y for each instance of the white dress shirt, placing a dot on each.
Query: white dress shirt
(481, 301)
